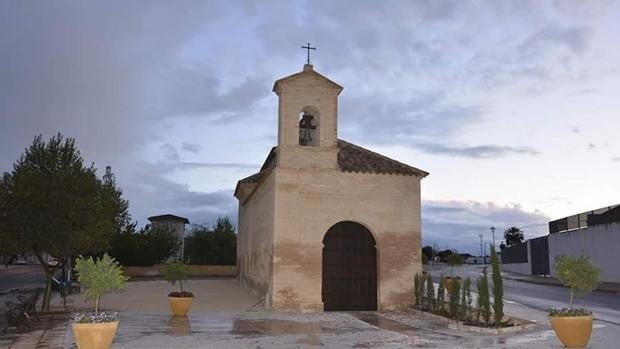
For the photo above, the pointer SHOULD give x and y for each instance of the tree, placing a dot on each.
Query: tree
(428, 252)
(52, 203)
(454, 260)
(578, 274)
(498, 288)
(443, 255)
(176, 271)
(216, 246)
(484, 302)
(151, 245)
(513, 235)
(99, 276)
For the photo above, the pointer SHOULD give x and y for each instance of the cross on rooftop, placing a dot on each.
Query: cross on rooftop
(308, 47)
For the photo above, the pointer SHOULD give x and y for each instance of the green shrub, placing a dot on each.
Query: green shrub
(498, 288)
(99, 276)
(578, 274)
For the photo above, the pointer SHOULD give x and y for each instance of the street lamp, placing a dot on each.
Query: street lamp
(493, 234)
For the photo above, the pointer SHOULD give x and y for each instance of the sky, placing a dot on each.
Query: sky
(512, 106)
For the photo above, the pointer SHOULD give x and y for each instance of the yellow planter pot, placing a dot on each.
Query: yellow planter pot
(180, 305)
(449, 282)
(94, 336)
(573, 331)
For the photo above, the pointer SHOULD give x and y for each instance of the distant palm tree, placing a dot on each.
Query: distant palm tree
(513, 235)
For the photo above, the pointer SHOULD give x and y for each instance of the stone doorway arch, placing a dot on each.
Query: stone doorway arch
(349, 272)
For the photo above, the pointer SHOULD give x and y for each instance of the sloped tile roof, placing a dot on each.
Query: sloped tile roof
(351, 158)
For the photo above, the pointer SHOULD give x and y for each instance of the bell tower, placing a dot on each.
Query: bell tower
(307, 120)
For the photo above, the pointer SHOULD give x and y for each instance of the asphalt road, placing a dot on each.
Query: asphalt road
(21, 276)
(604, 305)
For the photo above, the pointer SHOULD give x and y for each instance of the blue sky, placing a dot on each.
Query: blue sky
(510, 105)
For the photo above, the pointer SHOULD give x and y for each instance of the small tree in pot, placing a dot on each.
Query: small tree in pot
(574, 326)
(98, 277)
(181, 301)
(454, 260)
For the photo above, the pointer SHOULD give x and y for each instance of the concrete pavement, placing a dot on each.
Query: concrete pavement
(224, 315)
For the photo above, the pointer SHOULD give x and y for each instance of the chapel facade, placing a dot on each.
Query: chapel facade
(326, 224)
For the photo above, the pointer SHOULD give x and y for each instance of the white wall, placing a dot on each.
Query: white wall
(600, 243)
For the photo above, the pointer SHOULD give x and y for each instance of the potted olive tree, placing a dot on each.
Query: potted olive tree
(455, 260)
(573, 326)
(97, 277)
(180, 301)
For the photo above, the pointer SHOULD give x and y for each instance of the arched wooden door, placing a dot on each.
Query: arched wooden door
(349, 268)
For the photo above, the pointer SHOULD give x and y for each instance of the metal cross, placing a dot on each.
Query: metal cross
(309, 48)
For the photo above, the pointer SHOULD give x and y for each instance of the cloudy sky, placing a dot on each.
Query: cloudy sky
(511, 106)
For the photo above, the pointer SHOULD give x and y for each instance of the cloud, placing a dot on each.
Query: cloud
(191, 147)
(476, 152)
(457, 224)
(615, 159)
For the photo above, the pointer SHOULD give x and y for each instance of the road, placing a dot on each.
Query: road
(604, 305)
(21, 276)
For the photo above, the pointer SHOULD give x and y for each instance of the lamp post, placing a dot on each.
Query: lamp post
(493, 235)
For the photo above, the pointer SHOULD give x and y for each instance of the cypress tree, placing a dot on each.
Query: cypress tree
(440, 295)
(498, 288)
(454, 298)
(468, 299)
(484, 303)
(416, 289)
(430, 294)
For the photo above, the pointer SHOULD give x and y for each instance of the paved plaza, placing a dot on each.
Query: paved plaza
(224, 315)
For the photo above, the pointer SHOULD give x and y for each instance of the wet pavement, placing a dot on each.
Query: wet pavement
(48, 332)
(223, 316)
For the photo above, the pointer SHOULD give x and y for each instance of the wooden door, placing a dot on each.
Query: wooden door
(349, 268)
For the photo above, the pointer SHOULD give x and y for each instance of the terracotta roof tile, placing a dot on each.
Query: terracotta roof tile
(351, 158)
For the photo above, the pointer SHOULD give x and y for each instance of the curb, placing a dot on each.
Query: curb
(522, 325)
(554, 282)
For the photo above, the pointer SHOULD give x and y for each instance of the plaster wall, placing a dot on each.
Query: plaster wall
(255, 239)
(599, 242)
(309, 201)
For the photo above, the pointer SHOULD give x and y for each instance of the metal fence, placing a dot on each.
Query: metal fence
(582, 220)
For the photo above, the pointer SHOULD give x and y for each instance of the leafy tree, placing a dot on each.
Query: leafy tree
(498, 288)
(99, 276)
(176, 271)
(443, 255)
(52, 202)
(151, 245)
(484, 302)
(215, 246)
(578, 274)
(428, 252)
(513, 235)
(454, 260)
